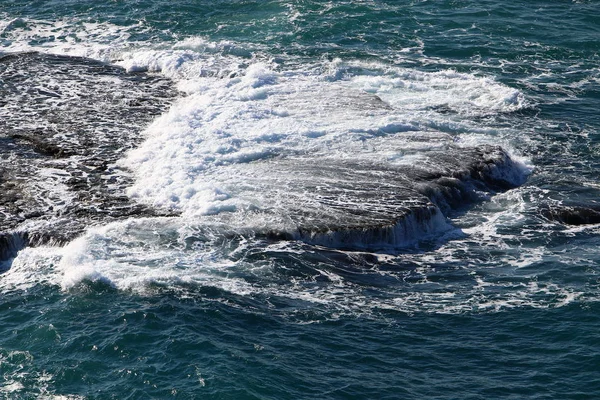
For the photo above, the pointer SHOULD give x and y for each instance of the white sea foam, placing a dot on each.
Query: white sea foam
(465, 94)
(31, 266)
(66, 36)
(136, 255)
(265, 112)
(238, 110)
(133, 254)
(115, 44)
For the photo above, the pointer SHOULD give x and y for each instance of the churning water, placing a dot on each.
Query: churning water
(284, 200)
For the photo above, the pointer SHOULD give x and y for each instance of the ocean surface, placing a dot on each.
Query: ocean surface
(309, 199)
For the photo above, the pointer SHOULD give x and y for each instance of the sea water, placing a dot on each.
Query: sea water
(299, 200)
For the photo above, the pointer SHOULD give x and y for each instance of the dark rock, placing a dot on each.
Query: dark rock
(573, 215)
(352, 204)
(65, 122)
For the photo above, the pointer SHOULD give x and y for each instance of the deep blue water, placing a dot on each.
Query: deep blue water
(505, 304)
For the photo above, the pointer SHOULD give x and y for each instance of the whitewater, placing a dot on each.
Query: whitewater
(316, 200)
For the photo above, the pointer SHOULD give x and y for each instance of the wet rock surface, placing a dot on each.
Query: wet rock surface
(364, 204)
(65, 122)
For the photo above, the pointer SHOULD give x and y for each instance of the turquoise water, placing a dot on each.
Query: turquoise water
(502, 302)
